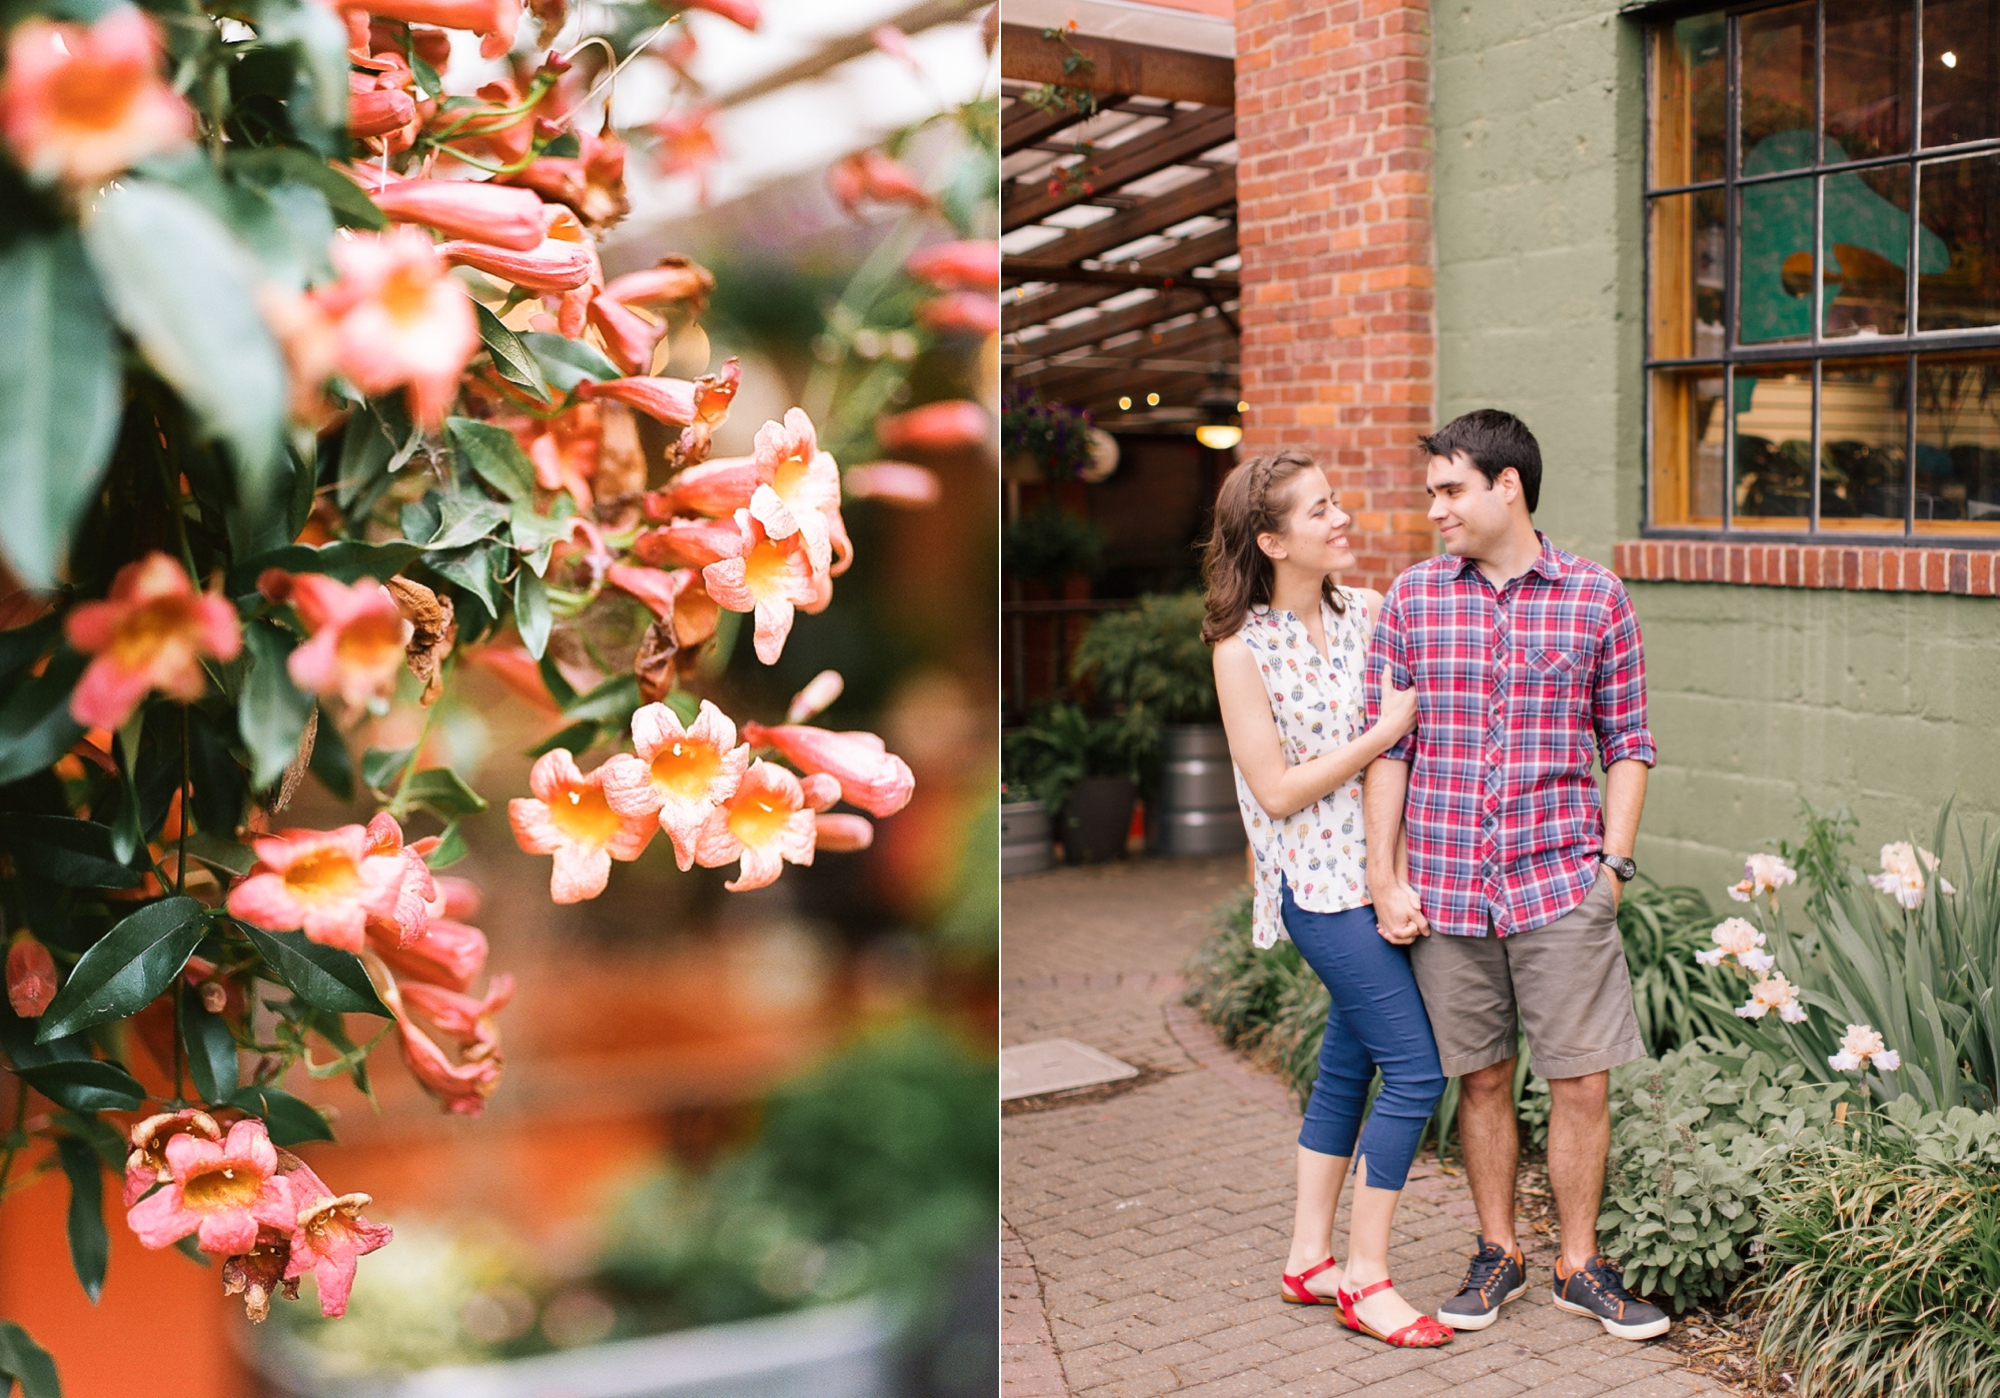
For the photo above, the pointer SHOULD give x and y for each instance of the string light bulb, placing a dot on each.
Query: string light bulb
(1152, 400)
(1948, 58)
(1124, 405)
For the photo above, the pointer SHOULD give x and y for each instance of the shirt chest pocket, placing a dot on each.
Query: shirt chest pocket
(1549, 682)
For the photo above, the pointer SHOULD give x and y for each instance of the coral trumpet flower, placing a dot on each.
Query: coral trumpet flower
(868, 176)
(657, 588)
(716, 488)
(379, 111)
(677, 281)
(680, 775)
(150, 634)
(493, 20)
(555, 264)
(77, 105)
(326, 883)
(400, 319)
(961, 266)
(146, 1165)
(690, 543)
(962, 313)
(870, 776)
(770, 577)
(570, 818)
(31, 976)
(895, 483)
(951, 425)
(629, 337)
(409, 914)
(766, 824)
(743, 12)
(671, 401)
(499, 215)
(450, 954)
(462, 1087)
(331, 1237)
(798, 487)
(220, 1191)
(359, 636)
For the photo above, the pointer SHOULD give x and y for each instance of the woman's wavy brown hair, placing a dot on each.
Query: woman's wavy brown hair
(1255, 499)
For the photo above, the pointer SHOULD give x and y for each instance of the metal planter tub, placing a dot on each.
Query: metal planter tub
(1027, 838)
(1194, 809)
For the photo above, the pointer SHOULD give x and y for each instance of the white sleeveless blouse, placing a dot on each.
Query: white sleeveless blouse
(1317, 702)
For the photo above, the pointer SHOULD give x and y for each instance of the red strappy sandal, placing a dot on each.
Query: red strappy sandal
(1293, 1288)
(1422, 1333)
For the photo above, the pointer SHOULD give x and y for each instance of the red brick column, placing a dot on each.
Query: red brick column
(1339, 345)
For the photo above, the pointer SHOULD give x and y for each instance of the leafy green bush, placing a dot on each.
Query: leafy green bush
(1883, 1267)
(1676, 1000)
(1050, 545)
(1152, 657)
(1690, 1132)
(1061, 745)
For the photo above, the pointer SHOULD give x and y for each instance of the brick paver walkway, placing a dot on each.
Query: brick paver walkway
(1143, 1231)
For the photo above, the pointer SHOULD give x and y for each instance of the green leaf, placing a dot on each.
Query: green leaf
(326, 978)
(289, 1119)
(568, 362)
(186, 289)
(560, 688)
(443, 790)
(73, 853)
(86, 1085)
(511, 359)
(576, 737)
(273, 716)
(219, 852)
(381, 766)
(221, 786)
(24, 645)
(450, 848)
(89, 1246)
(22, 1359)
(60, 399)
(494, 455)
(331, 762)
(274, 165)
(466, 520)
(319, 39)
(127, 968)
(35, 723)
(536, 535)
(211, 1051)
(613, 701)
(531, 611)
(472, 569)
(350, 561)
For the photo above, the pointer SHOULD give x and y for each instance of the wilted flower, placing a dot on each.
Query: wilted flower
(771, 578)
(461, 1087)
(767, 823)
(680, 775)
(1902, 876)
(259, 1274)
(1860, 1047)
(1774, 993)
(221, 1191)
(591, 183)
(80, 104)
(569, 817)
(869, 775)
(1762, 873)
(150, 634)
(146, 1165)
(31, 975)
(408, 915)
(330, 1238)
(400, 319)
(1732, 937)
(359, 637)
(327, 883)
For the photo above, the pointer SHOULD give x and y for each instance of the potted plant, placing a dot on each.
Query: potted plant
(1049, 441)
(1050, 545)
(1087, 769)
(1152, 658)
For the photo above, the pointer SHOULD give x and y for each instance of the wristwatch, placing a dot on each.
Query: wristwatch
(1625, 869)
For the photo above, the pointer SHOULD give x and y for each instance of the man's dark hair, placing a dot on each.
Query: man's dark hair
(1492, 440)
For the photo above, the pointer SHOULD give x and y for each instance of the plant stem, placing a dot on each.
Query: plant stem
(181, 858)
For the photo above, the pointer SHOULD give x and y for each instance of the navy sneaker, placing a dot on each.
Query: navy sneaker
(1598, 1290)
(1495, 1278)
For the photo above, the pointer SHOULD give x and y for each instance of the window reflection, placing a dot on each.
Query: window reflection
(1690, 79)
(1961, 71)
(1958, 444)
(1687, 275)
(1777, 87)
(1868, 77)
(1960, 288)
(1687, 445)
(1863, 444)
(1772, 475)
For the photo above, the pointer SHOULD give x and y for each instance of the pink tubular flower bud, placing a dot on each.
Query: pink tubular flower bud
(690, 543)
(657, 588)
(671, 401)
(961, 266)
(378, 112)
(896, 483)
(843, 834)
(743, 12)
(676, 281)
(820, 692)
(31, 976)
(961, 313)
(870, 776)
(717, 489)
(951, 425)
(868, 176)
(497, 215)
(555, 264)
(629, 337)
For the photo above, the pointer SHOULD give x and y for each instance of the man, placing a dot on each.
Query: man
(1524, 658)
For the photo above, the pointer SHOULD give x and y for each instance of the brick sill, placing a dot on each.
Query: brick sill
(1843, 567)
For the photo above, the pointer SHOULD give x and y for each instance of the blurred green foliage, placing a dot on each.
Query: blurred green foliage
(1152, 657)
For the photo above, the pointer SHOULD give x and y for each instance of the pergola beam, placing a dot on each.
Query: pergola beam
(1115, 66)
(1182, 139)
(1027, 269)
(1018, 314)
(1153, 215)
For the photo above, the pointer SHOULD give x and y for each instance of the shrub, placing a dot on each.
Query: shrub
(1061, 745)
(1152, 657)
(1884, 1269)
(1690, 1132)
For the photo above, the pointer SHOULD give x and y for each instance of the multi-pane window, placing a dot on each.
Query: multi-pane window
(1823, 308)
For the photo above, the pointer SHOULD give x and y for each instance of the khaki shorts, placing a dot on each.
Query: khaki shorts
(1566, 982)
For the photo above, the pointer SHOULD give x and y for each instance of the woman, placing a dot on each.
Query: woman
(1289, 651)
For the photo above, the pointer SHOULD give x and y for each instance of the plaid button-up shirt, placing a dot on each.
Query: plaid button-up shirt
(1514, 688)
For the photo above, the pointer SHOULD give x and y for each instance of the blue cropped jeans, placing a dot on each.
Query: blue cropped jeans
(1377, 1020)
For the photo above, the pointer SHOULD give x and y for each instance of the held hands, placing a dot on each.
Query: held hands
(1397, 916)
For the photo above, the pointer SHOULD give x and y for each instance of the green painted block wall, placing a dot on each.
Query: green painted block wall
(1760, 697)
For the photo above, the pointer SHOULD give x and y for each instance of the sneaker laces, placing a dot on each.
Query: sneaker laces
(1485, 1269)
(1605, 1282)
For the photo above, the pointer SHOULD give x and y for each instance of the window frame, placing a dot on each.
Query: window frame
(1658, 24)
